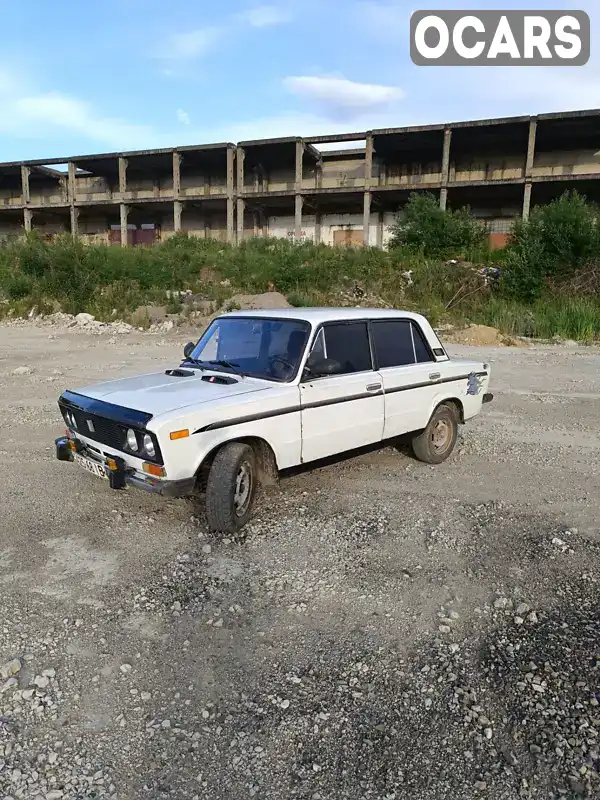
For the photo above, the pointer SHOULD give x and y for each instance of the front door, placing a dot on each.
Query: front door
(343, 411)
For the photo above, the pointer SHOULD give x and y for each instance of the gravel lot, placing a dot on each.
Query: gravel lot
(383, 630)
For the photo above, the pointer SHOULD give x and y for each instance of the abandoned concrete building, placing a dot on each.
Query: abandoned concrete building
(301, 188)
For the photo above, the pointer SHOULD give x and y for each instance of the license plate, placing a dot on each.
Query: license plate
(91, 466)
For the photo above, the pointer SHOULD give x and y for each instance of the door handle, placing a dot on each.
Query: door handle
(373, 387)
(435, 376)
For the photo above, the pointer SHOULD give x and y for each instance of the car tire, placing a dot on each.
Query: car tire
(231, 488)
(436, 443)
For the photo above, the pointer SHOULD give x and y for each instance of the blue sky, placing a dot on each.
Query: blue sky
(81, 78)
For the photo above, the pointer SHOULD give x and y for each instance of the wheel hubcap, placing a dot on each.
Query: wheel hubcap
(441, 436)
(243, 489)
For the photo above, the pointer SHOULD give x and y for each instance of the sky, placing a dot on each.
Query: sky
(78, 78)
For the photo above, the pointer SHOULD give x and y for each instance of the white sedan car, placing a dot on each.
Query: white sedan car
(263, 391)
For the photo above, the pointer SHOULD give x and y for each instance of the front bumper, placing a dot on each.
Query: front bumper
(119, 475)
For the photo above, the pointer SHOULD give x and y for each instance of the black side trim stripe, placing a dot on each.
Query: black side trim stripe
(125, 416)
(434, 382)
(214, 426)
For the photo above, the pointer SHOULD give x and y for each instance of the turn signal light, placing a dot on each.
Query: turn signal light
(179, 434)
(153, 469)
(72, 445)
(112, 464)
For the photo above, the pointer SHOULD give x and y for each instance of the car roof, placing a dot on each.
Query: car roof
(319, 315)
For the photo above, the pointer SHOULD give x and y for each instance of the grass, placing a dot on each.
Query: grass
(112, 282)
(569, 317)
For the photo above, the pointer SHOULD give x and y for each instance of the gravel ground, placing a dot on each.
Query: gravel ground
(382, 630)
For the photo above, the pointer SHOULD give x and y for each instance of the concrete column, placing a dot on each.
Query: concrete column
(298, 203)
(124, 213)
(239, 163)
(527, 200)
(177, 211)
(25, 172)
(318, 227)
(299, 164)
(122, 176)
(241, 208)
(369, 162)
(445, 176)
(71, 182)
(230, 195)
(366, 217)
(27, 219)
(74, 221)
(380, 229)
(256, 223)
(530, 148)
(176, 175)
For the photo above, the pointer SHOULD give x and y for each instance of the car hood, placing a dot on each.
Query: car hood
(158, 393)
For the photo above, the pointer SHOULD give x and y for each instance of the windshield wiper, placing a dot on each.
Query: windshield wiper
(229, 365)
(195, 362)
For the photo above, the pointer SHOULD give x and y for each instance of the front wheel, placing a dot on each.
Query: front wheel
(436, 443)
(231, 488)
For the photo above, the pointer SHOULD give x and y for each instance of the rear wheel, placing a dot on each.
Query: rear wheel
(436, 443)
(231, 488)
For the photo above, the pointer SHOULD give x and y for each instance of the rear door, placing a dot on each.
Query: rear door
(344, 411)
(409, 372)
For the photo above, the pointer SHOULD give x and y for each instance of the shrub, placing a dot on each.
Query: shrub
(424, 227)
(552, 245)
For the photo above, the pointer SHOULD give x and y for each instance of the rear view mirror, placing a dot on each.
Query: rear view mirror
(324, 366)
(189, 349)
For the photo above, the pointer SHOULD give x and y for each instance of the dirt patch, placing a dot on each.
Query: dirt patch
(481, 336)
(247, 302)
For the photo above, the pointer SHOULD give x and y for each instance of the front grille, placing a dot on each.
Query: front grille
(109, 423)
(105, 430)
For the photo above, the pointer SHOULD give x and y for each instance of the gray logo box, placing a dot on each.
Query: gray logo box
(472, 38)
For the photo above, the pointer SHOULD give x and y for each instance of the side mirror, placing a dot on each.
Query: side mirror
(189, 349)
(324, 366)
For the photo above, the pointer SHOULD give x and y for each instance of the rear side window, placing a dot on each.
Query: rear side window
(399, 343)
(348, 343)
(421, 347)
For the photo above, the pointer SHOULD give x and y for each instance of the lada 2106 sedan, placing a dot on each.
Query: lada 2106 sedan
(263, 391)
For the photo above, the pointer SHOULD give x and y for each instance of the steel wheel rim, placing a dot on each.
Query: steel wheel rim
(441, 435)
(243, 489)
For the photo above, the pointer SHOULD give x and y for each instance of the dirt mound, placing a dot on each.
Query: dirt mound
(481, 336)
(247, 302)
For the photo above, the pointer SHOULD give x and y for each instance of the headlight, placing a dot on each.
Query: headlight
(132, 442)
(71, 420)
(149, 445)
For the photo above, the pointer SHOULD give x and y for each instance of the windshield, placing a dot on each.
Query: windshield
(262, 348)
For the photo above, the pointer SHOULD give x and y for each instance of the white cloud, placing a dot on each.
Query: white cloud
(191, 44)
(183, 116)
(340, 97)
(265, 16)
(28, 113)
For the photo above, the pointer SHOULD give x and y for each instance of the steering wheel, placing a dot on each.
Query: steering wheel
(281, 360)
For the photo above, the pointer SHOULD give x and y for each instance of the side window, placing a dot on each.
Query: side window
(421, 347)
(348, 343)
(318, 349)
(393, 343)
(399, 343)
